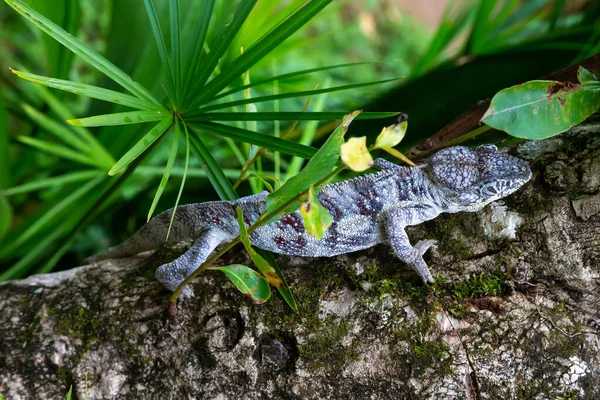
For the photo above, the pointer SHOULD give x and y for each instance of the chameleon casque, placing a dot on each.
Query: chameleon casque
(367, 210)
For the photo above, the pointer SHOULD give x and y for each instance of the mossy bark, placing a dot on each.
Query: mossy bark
(513, 313)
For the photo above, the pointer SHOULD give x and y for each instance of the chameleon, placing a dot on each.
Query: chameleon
(367, 210)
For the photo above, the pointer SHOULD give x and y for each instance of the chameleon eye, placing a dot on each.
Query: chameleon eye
(489, 191)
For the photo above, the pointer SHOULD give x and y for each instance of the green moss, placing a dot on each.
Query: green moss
(568, 395)
(424, 353)
(442, 230)
(323, 348)
(79, 323)
(28, 334)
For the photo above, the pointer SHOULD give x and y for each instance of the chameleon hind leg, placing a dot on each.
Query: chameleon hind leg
(172, 274)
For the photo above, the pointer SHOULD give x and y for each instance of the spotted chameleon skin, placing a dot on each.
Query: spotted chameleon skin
(371, 209)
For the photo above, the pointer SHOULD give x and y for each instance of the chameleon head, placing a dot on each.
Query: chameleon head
(473, 178)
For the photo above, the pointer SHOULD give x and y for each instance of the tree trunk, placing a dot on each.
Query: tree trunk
(514, 313)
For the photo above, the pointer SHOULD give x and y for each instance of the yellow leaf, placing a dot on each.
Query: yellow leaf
(355, 154)
(317, 218)
(392, 135)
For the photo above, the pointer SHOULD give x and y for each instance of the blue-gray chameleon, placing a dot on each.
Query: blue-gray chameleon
(371, 209)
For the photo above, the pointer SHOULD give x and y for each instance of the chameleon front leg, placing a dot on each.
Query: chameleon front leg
(395, 224)
(172, 274)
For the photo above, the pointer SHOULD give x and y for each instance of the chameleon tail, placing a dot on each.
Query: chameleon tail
(154, 233)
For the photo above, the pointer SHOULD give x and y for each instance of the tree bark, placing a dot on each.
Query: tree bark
(514, 313)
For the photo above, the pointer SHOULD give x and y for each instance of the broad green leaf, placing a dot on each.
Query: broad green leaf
(60, 151)
(5, 216)
(214, 172)
(281, 77)
(266, 44)
(248, 282)
(263, 266)
(256, 138)
(261, 99)
(162, 48)
(49, 182)
(286, 199)
(143, 145)
(540, 109)
(284, 116)
(124, 118)
(167, 173)
(82, 50)
(317, 218)
(62, 132)
(83, 89)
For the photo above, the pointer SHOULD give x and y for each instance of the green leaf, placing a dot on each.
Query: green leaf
(49, 182)
(142, 145)
(540, 109)
(184, 175)
(256, 138)
(318, 168)
(587, 78)
(82, 50)
(198, 38)
(62, 132)
(124, 118)
(263, 266)
(307, 136)
(222, 40)
(285, 116)
(284, 290)
(59, 207)
(282, 77)
(167, 173)
(266, 44)
(215, 174)
(83, 89)
(5, 217)
(317, 218)
(248, 282)
(60, 151)
(175, 47)
(162, 48)
(63, 113)
(261, 99)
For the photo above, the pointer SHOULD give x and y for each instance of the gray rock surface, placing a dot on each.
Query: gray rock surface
(514, 314)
